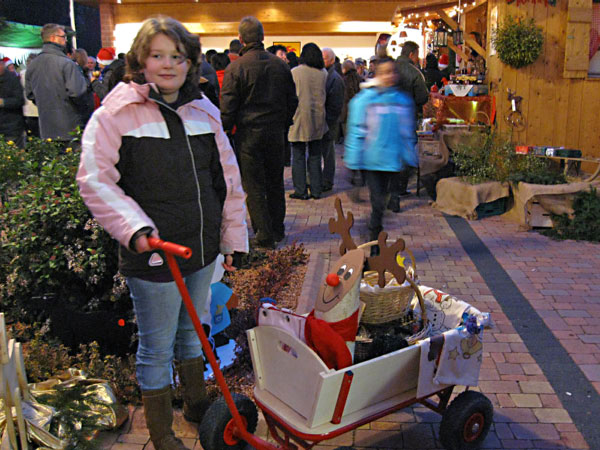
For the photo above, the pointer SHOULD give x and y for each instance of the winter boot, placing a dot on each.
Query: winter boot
(159, 418)
(394, 204)
(195, 401)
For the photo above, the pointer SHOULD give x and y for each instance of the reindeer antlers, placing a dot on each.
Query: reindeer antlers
(386, 260)
(342, 227)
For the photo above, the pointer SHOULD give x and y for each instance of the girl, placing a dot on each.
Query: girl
(155, 160)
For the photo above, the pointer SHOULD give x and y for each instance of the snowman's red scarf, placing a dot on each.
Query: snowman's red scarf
(328, 339)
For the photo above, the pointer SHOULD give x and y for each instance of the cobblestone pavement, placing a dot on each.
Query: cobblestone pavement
(560, 280)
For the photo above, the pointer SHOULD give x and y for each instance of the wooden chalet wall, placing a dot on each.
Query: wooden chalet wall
(558, 110)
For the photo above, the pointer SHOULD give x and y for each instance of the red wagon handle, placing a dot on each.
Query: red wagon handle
(171, 249)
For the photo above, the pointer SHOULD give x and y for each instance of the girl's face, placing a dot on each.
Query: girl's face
(387, 74)
(166, 67)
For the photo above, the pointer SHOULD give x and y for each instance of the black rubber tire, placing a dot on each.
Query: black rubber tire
(468, 407)
(218, 416)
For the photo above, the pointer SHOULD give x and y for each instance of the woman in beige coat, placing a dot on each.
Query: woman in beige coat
(309, 122)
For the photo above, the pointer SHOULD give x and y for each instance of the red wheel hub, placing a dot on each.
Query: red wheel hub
(231, 430)
(473, 427)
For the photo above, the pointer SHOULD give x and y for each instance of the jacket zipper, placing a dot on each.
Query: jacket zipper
(187, 139)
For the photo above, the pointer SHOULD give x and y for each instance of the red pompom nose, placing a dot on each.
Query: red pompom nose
(332, 280)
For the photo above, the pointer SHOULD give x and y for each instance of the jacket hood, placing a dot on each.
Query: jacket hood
(252, 46)
(125, 94)
(55, 49)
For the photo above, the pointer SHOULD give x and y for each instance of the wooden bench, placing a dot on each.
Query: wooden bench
(568, 163)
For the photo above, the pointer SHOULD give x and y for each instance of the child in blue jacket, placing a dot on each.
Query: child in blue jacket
(381, 138)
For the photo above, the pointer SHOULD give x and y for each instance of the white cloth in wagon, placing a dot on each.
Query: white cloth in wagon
(453, 353)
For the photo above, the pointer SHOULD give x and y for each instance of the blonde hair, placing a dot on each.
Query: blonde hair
(187, 43)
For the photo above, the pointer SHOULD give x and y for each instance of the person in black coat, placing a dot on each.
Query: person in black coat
(333, 110)
(433, 74)
(259, 99)
(12, 123)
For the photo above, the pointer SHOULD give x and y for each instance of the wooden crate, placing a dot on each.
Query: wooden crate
(429, 149)
(538, 217)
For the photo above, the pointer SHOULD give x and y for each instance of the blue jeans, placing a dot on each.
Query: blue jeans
(164, 327)
(314, 167)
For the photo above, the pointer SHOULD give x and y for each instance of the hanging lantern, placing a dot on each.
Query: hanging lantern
(440, 37)
(457, 36)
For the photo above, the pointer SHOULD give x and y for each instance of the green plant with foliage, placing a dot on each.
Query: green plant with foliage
(491, 156)
(518, 41)
(49, 242)
(539, 177)
(75, 420)
(585, 223)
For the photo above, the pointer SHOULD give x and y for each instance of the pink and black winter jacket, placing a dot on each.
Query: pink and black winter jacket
(145, 164)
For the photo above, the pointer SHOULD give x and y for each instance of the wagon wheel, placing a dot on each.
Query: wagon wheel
(466, 422)
(217, 426)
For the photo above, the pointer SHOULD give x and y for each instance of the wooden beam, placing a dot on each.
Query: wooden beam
(280, 28)
(475, 46)
(434, 7)
(457, 49)
(468, 40)
(468, 9)
(285, 12)
(448, 20)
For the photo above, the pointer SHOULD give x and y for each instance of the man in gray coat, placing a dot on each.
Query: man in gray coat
(333, 110)
(56, 85)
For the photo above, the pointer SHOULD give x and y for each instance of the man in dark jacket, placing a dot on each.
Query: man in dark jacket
(334, 104)
(12, 124)
(259, 98)
(56, 85)
(412, 81)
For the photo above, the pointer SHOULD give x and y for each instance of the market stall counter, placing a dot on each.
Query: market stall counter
(470, 110)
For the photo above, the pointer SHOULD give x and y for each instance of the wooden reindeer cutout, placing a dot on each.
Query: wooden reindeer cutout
(342, 227)
(386, 260)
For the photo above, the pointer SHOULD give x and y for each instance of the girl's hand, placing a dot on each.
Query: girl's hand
(141, 244)
(228, 264)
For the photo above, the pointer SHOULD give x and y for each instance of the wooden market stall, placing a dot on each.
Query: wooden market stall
(560, 99)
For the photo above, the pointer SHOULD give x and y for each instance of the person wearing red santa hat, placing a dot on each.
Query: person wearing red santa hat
(11, 106)
(443, 62)
(110, 67)
(9, 65)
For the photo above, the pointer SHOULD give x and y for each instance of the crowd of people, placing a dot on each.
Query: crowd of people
(178, 144)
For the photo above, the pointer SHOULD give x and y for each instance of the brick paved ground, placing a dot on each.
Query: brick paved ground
(560, 279)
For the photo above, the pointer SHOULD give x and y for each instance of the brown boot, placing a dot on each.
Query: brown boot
(159, 418)
(195, 401)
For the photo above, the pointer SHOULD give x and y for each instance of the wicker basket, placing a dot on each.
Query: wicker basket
(388, 304)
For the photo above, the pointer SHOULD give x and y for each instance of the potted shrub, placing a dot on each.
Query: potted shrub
(485, 164)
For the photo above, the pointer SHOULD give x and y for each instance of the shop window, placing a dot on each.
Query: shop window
(594, 69)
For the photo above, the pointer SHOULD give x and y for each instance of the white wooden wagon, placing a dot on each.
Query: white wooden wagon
(306, 402)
